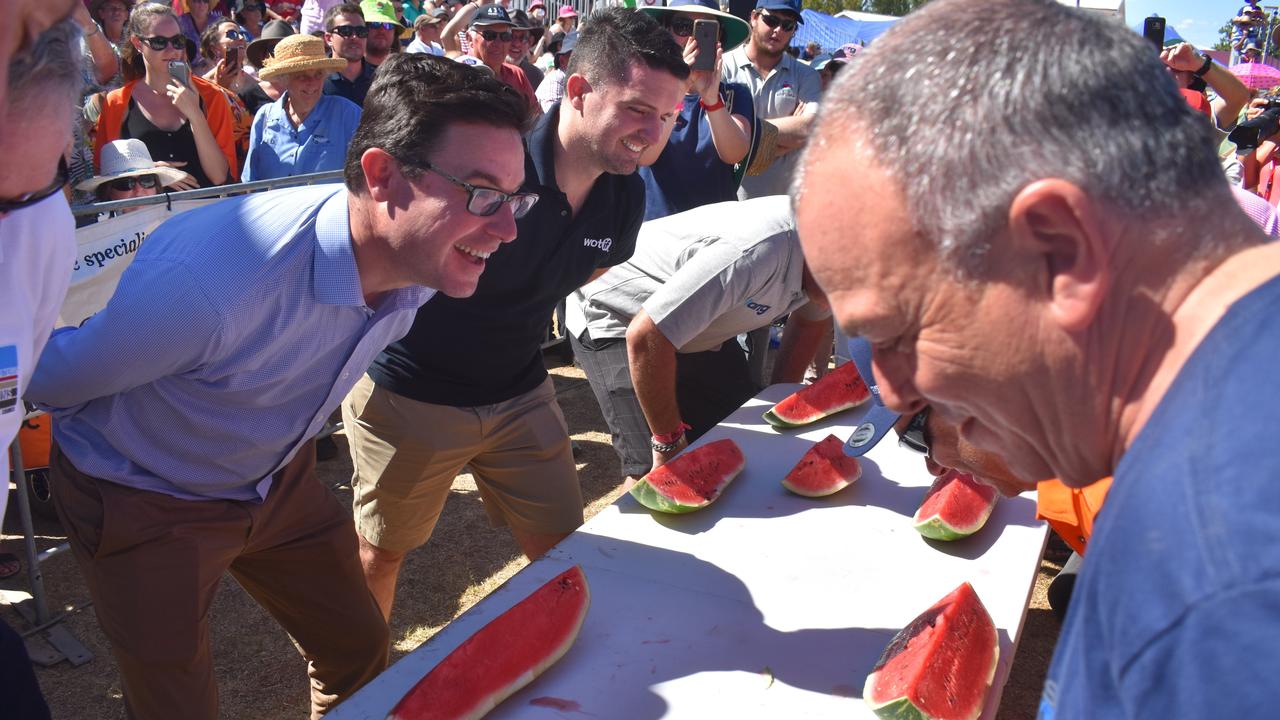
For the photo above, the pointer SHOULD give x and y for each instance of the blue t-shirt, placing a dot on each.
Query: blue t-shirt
(278, 149)
(689, 173)
(1176, 613)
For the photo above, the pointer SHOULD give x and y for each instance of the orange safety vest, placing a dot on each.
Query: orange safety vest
(1071, 511)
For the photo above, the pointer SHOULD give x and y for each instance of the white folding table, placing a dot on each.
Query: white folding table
(763, 605)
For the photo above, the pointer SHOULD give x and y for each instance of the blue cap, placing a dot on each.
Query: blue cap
(491, 15)
(879, 419)
(792, 6)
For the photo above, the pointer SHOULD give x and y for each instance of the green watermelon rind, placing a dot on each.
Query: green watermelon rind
(935, 528)
(648, 496)
(772, 418)
(902, 708)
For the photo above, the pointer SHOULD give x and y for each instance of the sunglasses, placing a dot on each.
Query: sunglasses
(382, 26)
(59, 179)
(773, 21)
(913, 438)
(177, 42)
(129, 183)
(235, 35)
(350, 31)
(492, 35)
(484, 202)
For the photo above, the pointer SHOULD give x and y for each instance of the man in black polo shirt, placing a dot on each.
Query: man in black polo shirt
(466, 386)
(346, 35)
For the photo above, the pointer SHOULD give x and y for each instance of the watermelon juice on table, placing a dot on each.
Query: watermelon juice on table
(503, 656)
(692, 480)
(837, 391)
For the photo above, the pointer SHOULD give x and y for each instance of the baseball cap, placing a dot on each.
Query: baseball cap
(791, 6)
(879, 419)
(491, 15)
(379, 11)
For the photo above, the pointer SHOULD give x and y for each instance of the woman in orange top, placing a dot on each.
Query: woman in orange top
(183, 125)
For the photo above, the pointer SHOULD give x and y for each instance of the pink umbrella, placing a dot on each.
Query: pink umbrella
(1256, 75)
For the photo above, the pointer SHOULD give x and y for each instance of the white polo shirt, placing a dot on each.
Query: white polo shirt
(37, 252)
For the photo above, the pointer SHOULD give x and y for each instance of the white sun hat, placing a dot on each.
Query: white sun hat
(129, 158)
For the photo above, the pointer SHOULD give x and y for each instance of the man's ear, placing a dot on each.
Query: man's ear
(381, 174)
(1059, 225)
(576, 88)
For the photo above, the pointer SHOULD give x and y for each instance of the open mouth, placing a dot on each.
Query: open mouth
(475, 256)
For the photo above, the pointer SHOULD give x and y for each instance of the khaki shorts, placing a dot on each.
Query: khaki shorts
(406, 454)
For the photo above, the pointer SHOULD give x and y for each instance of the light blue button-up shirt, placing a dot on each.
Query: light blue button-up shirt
(234, 333)
(278, 149)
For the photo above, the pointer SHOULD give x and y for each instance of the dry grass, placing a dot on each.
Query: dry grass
(259, 671)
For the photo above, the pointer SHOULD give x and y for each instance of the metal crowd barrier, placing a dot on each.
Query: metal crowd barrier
(169, 198)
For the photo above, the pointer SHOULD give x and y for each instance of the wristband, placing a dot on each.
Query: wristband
(672, 437)
(712, 108)
(1208, 64)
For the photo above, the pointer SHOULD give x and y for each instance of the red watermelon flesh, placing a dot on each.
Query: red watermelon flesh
(940, 666)
(823, 470)
(957, 506)
(834, 392)
(693, 480)
(503, 656)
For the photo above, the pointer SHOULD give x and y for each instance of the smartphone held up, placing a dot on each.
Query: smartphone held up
(706, 35)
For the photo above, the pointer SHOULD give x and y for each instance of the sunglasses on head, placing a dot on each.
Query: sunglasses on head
(381, 26)
(774, 21)
(129, 183)
(178, 42)
(350, 31)
(483, 202)
(491, 35)
(9, 205)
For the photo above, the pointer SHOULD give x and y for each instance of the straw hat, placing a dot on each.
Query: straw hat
(129, 158)
(299, 53)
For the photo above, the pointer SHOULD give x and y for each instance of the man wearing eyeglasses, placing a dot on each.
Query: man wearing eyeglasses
(346, 34)
(384, 28)
(467, 385)
(184, 411)
(37, 250)
(785, 90)
(489, 29)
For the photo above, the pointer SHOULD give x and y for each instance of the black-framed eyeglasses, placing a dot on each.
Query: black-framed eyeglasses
(492, 35)
(157, 42)
(773, 21)
(484, 201)
(913, 438)
(127, 184)
(9, 205)
(381, 25)
(350, 31)
(235, 35)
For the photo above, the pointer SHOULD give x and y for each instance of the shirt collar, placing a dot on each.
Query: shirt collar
(541, 147)
(334, 278)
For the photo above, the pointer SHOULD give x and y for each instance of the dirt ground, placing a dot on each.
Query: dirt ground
(259, 671)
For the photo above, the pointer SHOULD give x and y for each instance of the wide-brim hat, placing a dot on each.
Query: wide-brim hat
(129, 158)
(736, 30)
(273, 32)
(299, 53)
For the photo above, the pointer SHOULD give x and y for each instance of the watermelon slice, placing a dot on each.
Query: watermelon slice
(823, 470)
(691, 481)
(957, 506)
(940, 666)
(503, 656)
(834, 392)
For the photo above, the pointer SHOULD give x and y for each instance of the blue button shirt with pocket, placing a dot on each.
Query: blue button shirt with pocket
(278, 149)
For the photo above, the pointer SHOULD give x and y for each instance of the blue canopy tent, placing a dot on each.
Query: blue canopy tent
(832, 32)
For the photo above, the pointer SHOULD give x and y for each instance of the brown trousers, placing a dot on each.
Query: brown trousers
(153, 563)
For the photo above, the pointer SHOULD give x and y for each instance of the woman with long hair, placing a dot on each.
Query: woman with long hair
(223, 48)
(183, 124)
